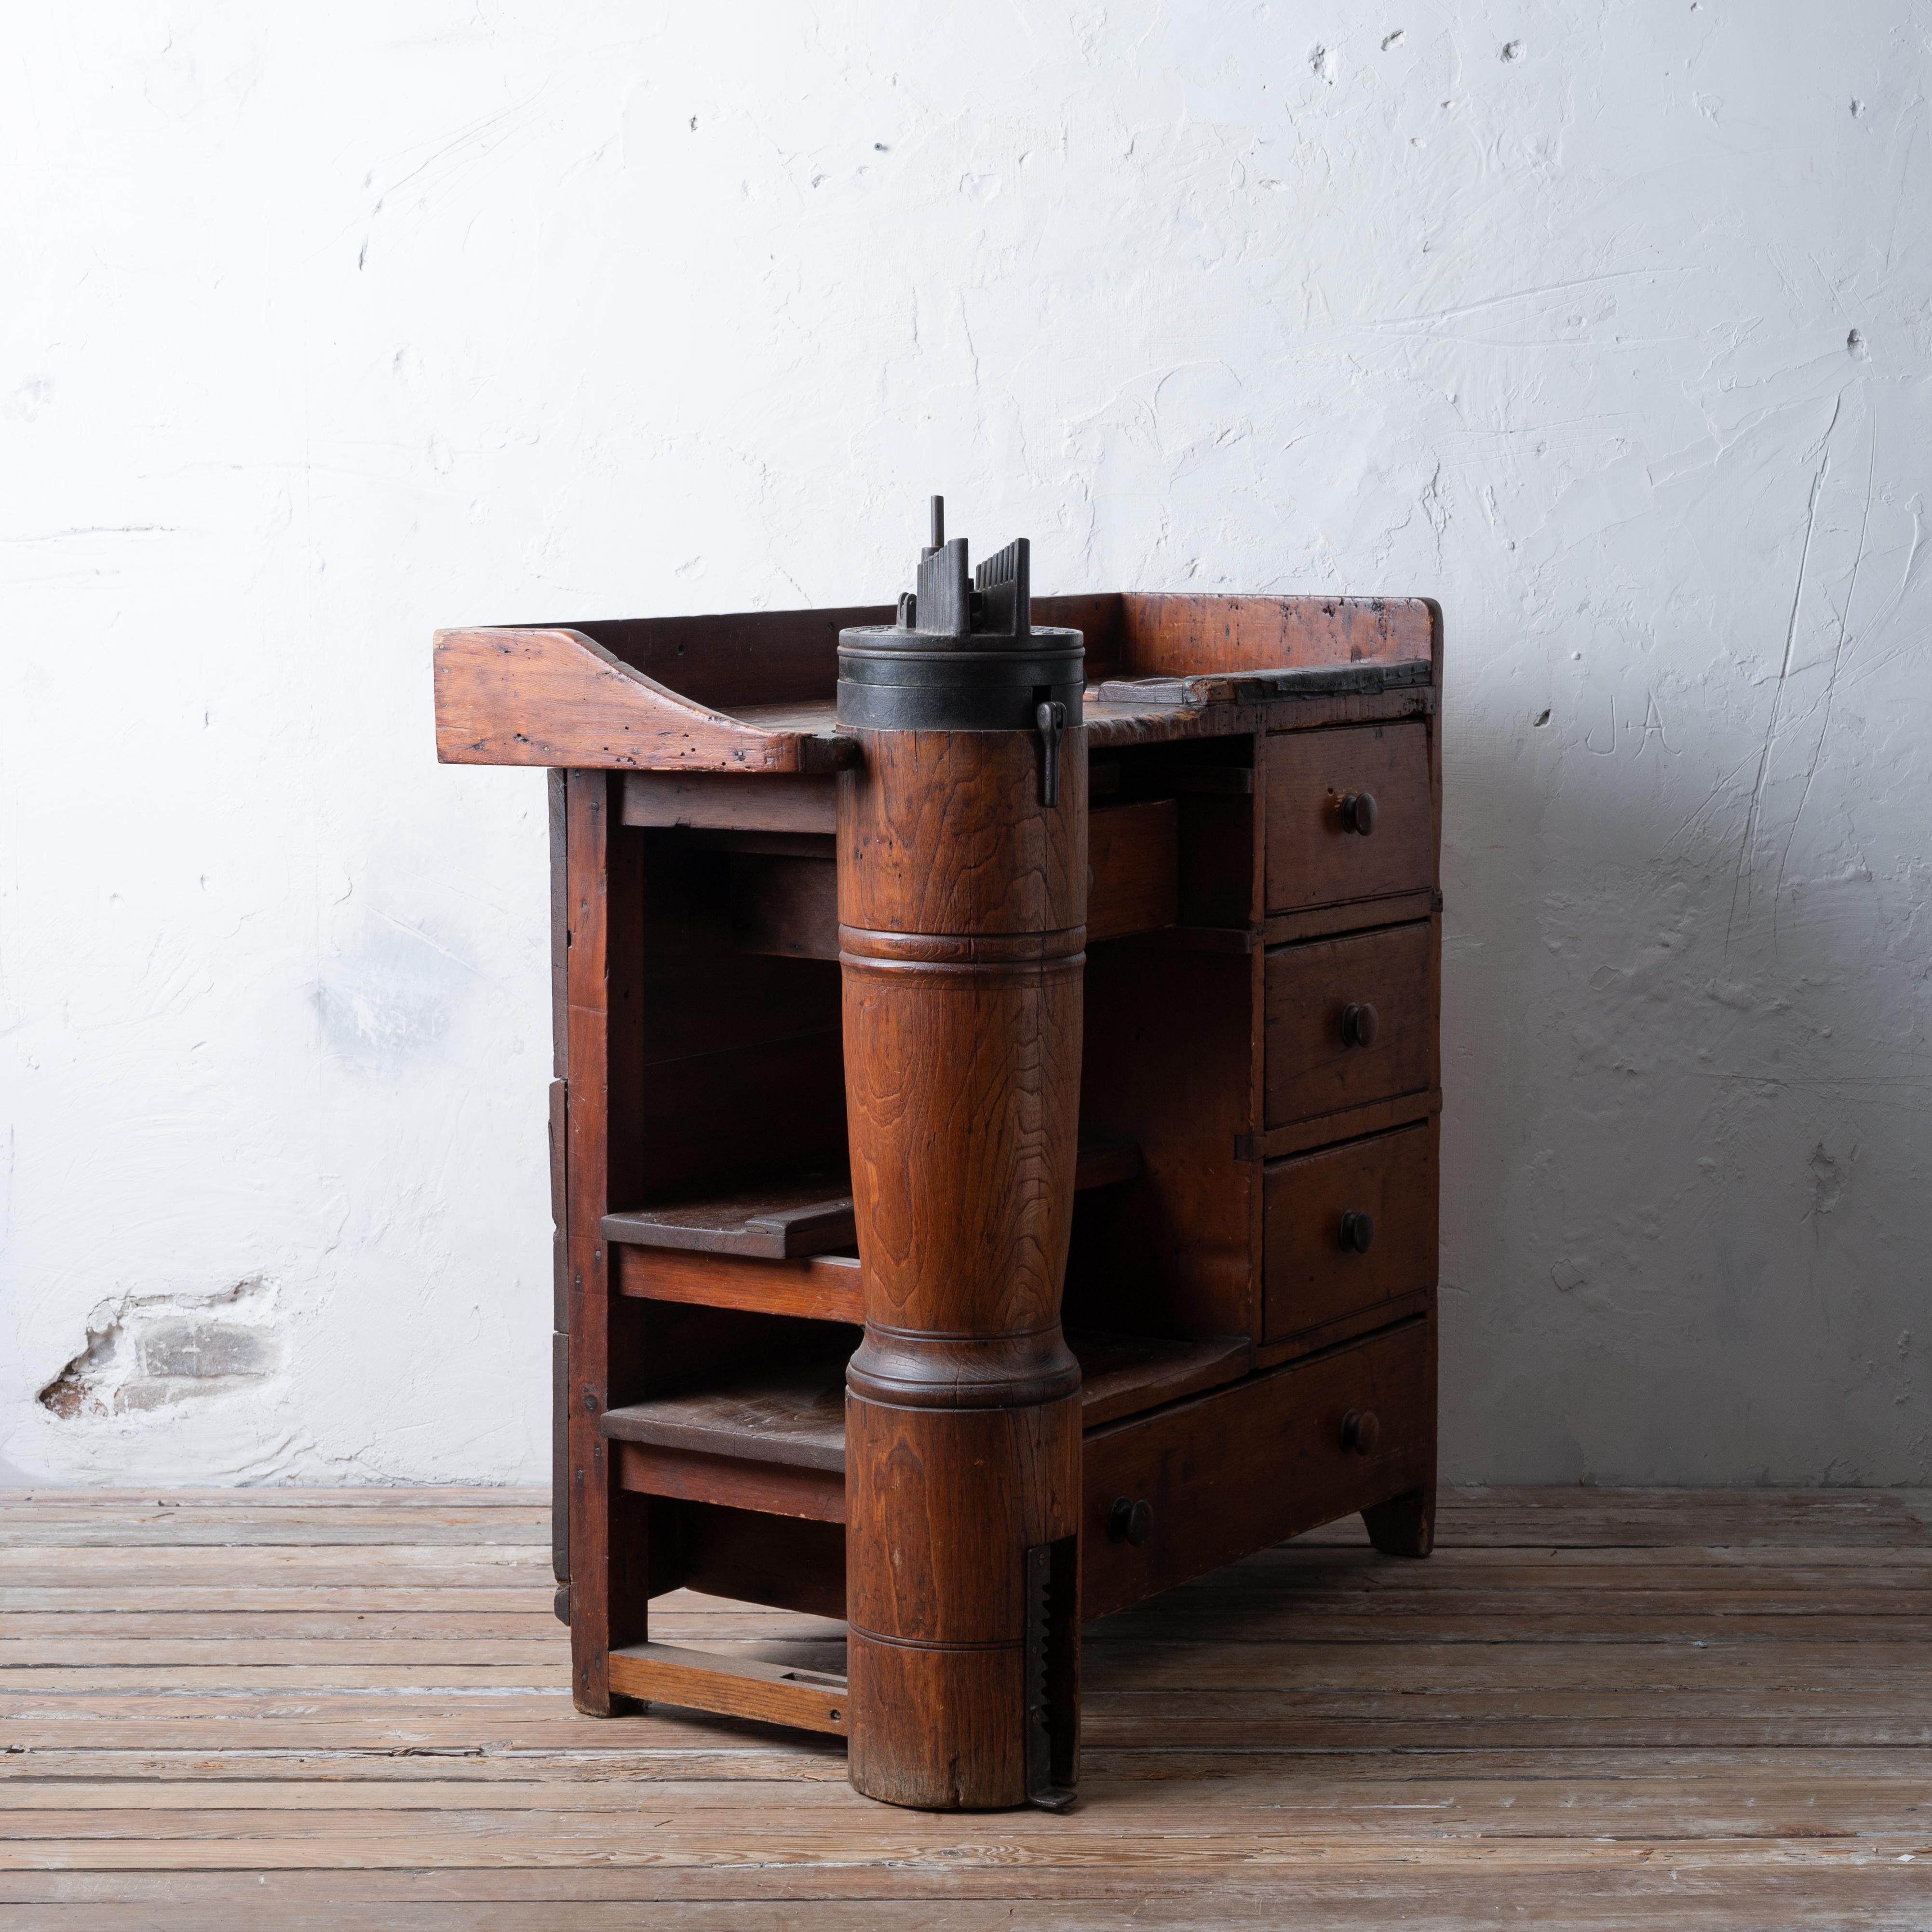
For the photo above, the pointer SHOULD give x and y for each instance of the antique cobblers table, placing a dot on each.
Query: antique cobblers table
(925, 980)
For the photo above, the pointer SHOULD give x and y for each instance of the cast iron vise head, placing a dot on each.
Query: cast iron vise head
(964, 656)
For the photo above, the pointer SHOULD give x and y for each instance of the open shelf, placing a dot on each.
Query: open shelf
(1123, 1374)
(783, 1221)
(793, 1413)
(791, 1221)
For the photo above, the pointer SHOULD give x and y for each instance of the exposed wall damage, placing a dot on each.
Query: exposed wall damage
(147, 1351)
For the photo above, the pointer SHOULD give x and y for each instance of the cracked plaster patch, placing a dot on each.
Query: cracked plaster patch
(149, 1351)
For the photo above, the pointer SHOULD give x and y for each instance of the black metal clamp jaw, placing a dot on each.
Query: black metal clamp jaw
(1049, 719)
(965, 656)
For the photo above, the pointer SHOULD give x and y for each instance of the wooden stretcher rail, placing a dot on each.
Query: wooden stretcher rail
(732, 1686)
(820, 1288)
(761, 1484)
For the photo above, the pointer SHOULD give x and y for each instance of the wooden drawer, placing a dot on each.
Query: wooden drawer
(1314, 1064)
(1313, 859)
(1234, 1472)
(1132, 867)
(1308, 1276)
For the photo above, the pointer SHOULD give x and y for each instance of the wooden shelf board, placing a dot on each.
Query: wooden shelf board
(793, 1412)
(1222, 939)
(1114, 723)
(780, 1222)
(1126, 1375)
(792, 1220)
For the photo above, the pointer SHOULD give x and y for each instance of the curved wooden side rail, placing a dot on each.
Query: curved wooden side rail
(514, 696)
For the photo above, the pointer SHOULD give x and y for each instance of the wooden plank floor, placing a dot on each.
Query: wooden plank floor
(291, 1708)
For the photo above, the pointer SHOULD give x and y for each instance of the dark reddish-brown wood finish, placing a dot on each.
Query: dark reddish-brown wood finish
(580, 706)
(1132, 868)
(1315, 1275)
(1179, 634)
(610, 1554)
(1314, 857)
(1318, 1061)
(962, 908)
(1240, 1468)
(755, 1020)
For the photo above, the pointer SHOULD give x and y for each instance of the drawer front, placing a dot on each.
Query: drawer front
(1313, 858)
(1316, 1061)
(1235, 1471)
(1313, 1272)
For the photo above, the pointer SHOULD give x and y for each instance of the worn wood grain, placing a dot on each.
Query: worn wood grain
(732, 801)
(1185, 633)
(1314, 1276)
(1314, 858)
(733, 1686)
(1693, 1893)
(1316, 1065)
(701, 1058)
(820, 1288)
(559, 698)
(1590, 1708)
(1133, 862)
(1244, 1465)
(962, 905)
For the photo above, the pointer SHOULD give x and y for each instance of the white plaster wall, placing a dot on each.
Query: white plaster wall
(1606, 326)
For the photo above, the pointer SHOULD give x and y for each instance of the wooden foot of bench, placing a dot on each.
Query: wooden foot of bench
(1404, 1525)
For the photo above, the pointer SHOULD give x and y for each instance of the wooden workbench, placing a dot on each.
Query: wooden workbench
(1249, 1289)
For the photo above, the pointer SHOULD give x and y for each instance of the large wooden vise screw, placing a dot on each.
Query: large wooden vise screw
(962, 908)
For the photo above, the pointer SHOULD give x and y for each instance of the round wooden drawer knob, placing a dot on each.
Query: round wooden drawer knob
(1358, 812)
(1360, 1024)
(1360, 1431)
(1358, 1232)
(1129, 1521)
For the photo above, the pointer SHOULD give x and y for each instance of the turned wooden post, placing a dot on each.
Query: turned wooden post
(962, 892)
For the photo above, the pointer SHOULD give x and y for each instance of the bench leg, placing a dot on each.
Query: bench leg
(1404, 1525)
